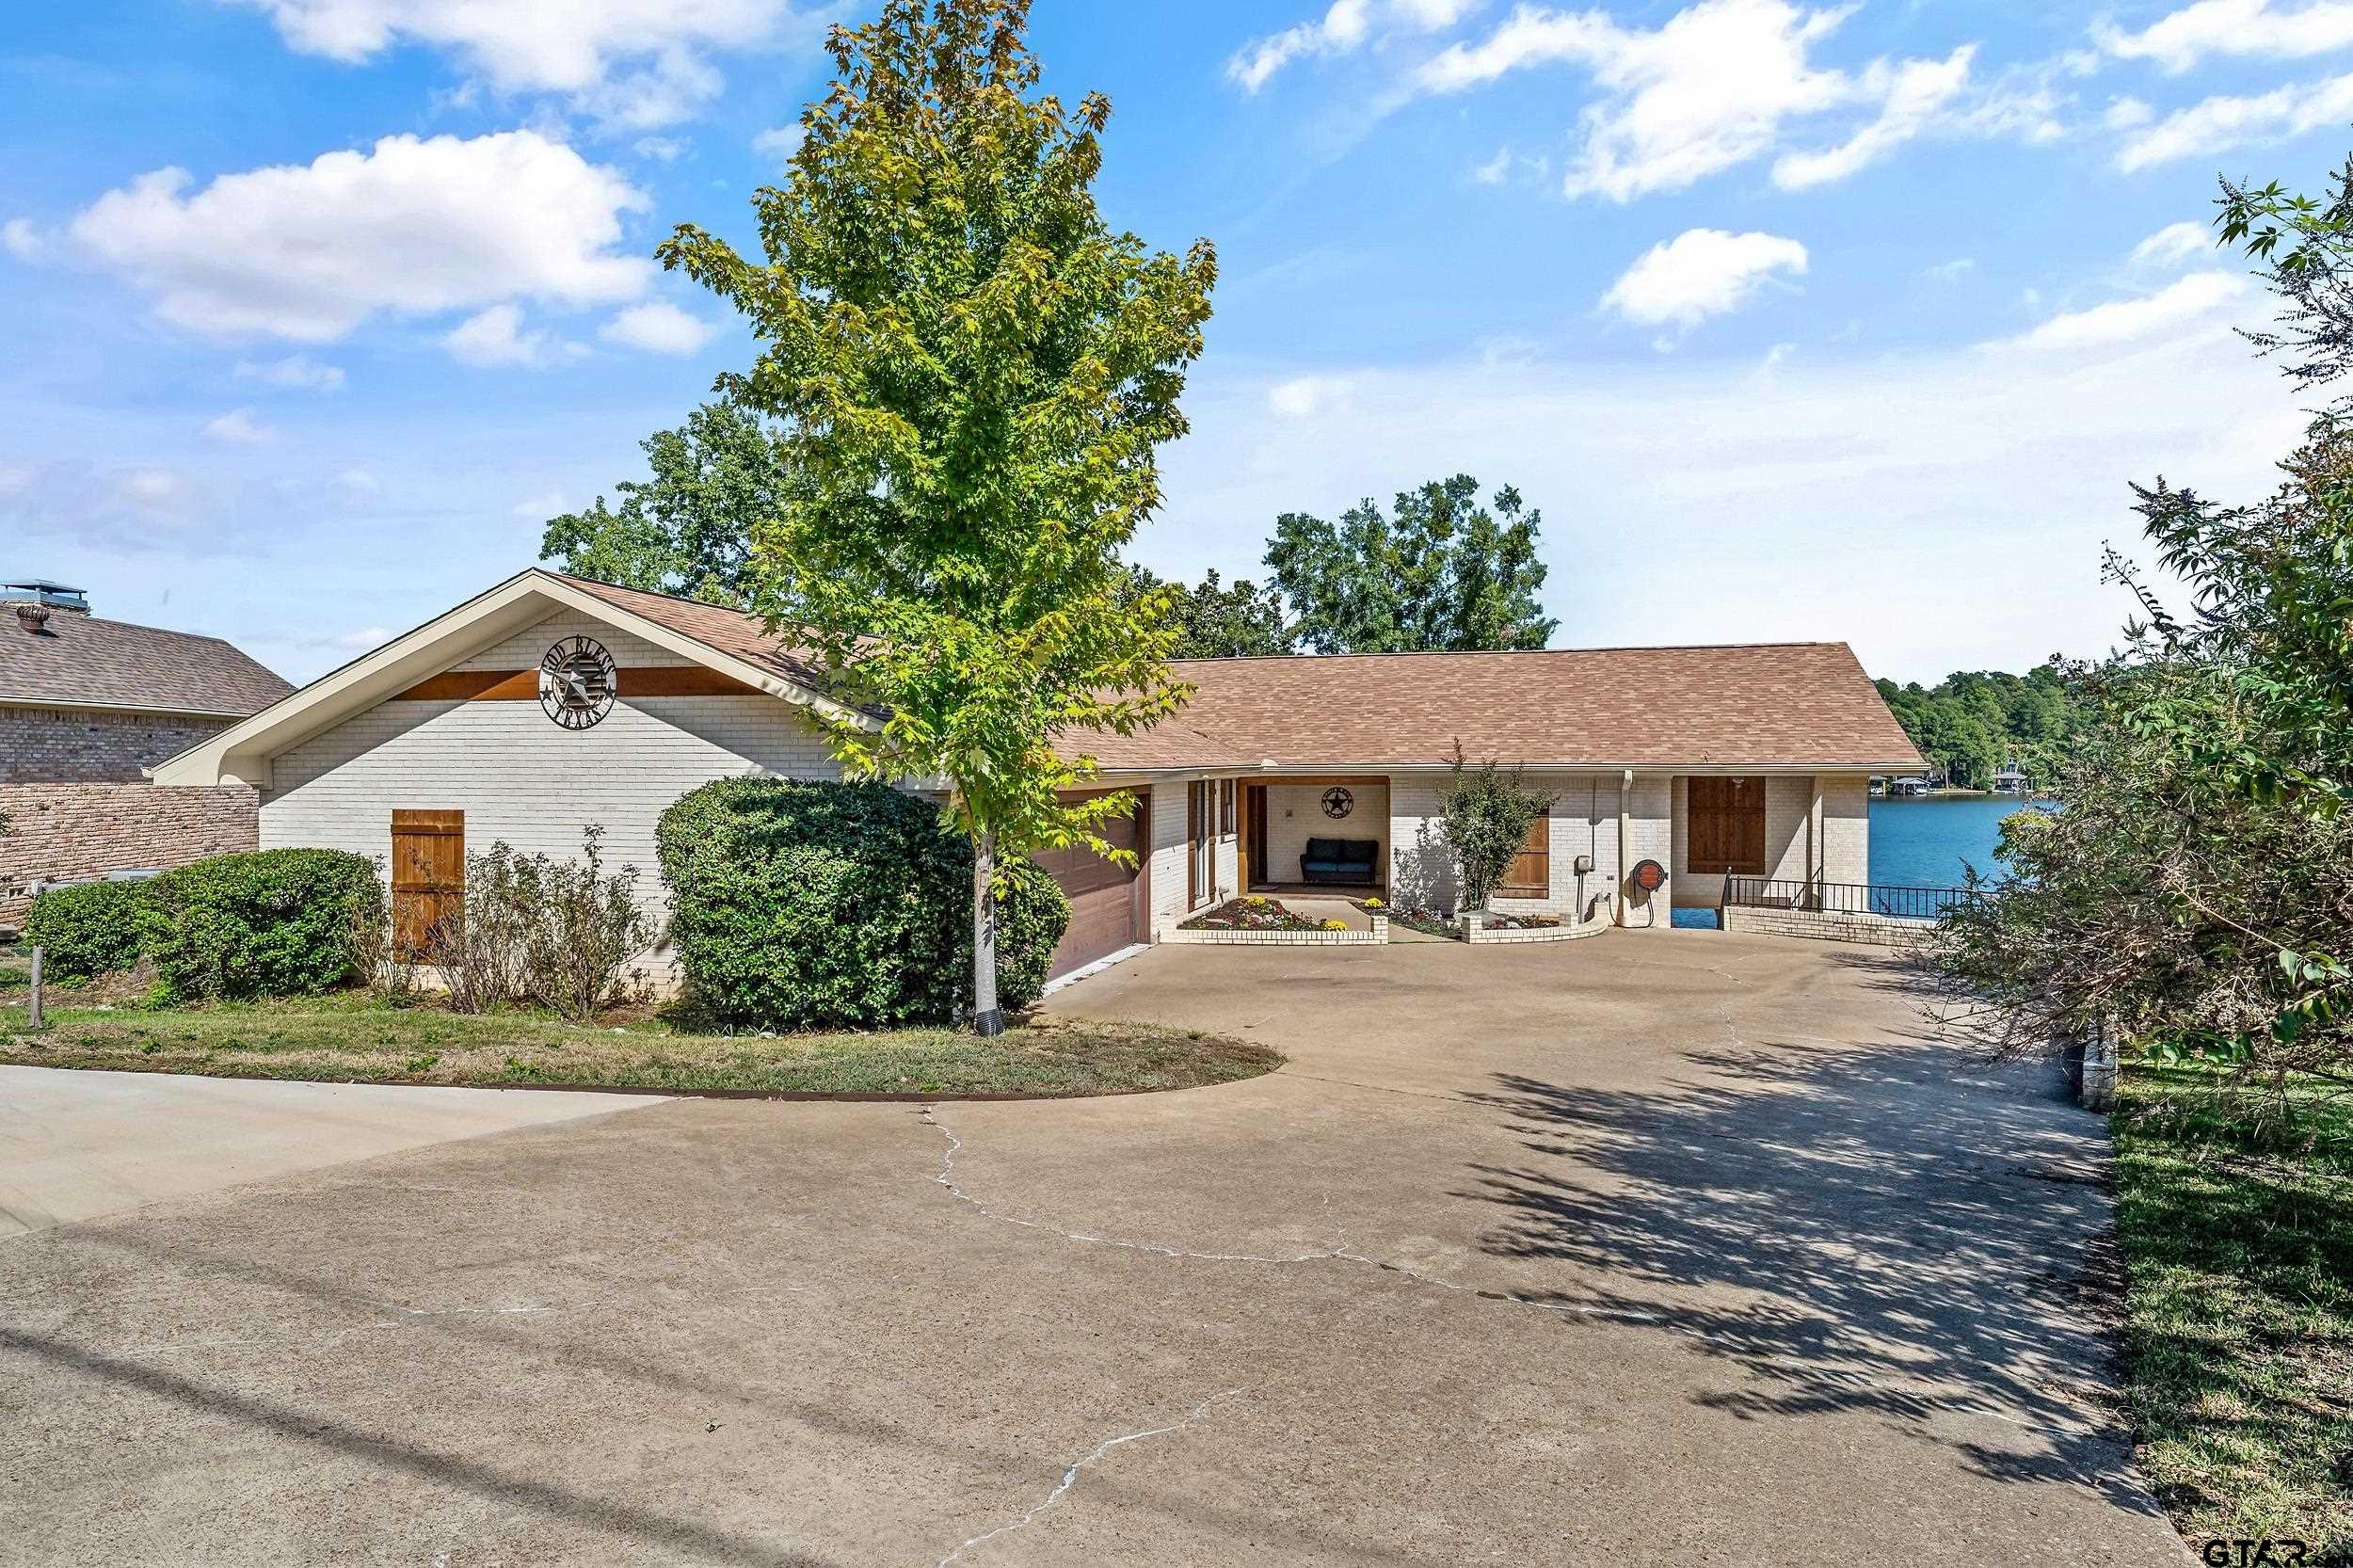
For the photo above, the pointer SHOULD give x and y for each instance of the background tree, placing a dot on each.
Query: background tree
(687, 530)
(971, 372)
(1447, 573)
(1220, 621)
(1974, 721)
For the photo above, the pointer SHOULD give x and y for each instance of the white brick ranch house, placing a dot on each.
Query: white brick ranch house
(550, 703)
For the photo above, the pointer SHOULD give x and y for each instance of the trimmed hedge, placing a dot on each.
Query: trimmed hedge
(91, 928)
(804, 904)
(271, 923)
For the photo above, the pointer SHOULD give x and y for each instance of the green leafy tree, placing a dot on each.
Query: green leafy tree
(1218, 620)
(971, 372)
(1974, 721)
(688, 530)
(2196, 885)
(1446, 574)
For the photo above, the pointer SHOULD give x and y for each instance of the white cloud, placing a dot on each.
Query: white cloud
(662, 149)
(2180, 40)
(1494, 170)
(1911, 96)
(1345, 28)
(295, 372)
(659, 328)
(1952, 271)
(367, 637)
(239, 428)
(1701, 273)
(2221, 122)
(780, 143)
(20, 239)
(2127, 114)
(413, 227)
(2173, 244)
(1943, 509)
(1304, 396)
(2125, 321)
(1724, 82)
(494, 340)
(634, 64)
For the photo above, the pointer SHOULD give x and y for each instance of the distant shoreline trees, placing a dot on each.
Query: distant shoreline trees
(1973, 723)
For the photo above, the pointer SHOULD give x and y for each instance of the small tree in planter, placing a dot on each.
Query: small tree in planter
(1487, 813)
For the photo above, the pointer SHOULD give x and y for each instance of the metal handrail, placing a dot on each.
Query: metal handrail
(1844, 898)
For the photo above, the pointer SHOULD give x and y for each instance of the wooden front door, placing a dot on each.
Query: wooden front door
(429, 878)
(1726, 833)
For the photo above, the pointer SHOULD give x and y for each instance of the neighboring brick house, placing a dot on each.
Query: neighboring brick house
(87, 706)
(550, 703)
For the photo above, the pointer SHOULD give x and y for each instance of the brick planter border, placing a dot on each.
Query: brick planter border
(1378, 936)
(1476, 930)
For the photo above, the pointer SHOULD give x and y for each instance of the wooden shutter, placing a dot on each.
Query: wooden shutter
(1725, 833)
(1530, 872)
(429, 877)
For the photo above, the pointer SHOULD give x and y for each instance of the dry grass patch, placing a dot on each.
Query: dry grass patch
(359, 1039)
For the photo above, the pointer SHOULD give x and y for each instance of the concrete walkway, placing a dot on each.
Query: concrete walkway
(1638, 1251)
(75, 1145)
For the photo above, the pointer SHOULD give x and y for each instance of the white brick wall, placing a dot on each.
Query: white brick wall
(1294, 815)
(1168, 857)
(1845, 828)
(1584, 821)
(521, 778)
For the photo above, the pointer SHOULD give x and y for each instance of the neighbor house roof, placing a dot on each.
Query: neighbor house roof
(1763, 705)
(80, 661)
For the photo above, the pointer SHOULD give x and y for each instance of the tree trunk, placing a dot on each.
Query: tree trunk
(988, 1017)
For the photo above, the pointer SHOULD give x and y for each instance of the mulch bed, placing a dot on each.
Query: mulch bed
(1253, 913)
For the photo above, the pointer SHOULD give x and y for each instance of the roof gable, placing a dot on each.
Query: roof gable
(721, 639)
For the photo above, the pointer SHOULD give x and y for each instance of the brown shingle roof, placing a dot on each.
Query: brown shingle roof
(731, 632)
(1764, 705)
(112, 664)
(1792, 704)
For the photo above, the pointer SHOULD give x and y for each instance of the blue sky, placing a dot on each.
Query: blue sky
(1794, 321)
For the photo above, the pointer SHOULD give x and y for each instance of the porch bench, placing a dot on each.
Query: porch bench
(1343, 861)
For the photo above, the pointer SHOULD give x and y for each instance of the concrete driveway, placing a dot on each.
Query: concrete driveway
(1666, 1250)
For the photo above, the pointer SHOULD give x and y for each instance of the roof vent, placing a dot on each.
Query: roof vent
(33, 619)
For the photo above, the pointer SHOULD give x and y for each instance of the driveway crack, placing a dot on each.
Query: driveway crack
(1070, 1477)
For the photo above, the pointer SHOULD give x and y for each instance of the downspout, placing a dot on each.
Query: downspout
(1626, 837)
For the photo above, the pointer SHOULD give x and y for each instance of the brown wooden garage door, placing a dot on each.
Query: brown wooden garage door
(1107, 902)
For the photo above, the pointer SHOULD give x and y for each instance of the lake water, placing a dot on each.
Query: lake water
(1923, 843)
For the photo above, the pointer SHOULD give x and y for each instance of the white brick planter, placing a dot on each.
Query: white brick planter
(1379, 935)
(1475, 929)
(1829, 926)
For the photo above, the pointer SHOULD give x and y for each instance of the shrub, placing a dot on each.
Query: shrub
(1487, 815)
(533, 929)
(800, 905)
(89, 929)
(275, 922)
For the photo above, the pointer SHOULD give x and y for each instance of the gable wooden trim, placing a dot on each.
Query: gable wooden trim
(523, 685)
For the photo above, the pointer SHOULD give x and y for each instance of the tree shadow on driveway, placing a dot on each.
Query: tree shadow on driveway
(1901, 1232)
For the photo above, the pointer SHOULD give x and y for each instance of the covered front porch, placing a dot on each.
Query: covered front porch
(1327, 834)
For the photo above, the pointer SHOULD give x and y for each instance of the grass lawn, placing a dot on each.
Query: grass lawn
(2238, 1252)
(355, 1038)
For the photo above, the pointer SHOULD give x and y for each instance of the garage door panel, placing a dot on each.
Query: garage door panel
(1103, 901)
